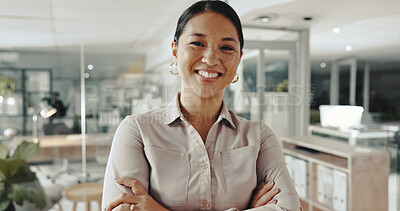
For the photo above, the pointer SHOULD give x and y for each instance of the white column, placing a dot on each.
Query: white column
(293, 80)
(305, 78)
(366, 88)
(353, 81)
(83, 111)
(334, 92)
(299, 87)
(260, 83)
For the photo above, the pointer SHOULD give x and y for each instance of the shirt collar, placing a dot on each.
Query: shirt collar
(173, 112)
(226, 115)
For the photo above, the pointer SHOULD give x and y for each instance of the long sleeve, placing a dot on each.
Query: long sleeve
(271, 167)
(169, 158)
(126, 159)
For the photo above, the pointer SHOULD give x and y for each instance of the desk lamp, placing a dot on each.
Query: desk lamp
(46, 111)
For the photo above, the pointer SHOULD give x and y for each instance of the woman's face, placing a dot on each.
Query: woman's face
(207, 54)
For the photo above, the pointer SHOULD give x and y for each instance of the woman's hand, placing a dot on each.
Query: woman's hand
(139, 197)
(264, 195)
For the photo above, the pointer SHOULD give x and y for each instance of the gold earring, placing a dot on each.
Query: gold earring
(236, 78)
(173, 68)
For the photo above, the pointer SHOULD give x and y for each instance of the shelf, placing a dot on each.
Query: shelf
(338, 173)
(323, 158)
(305, 204)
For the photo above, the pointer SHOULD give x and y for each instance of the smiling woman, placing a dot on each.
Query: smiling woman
(195, 154)
(208, 54)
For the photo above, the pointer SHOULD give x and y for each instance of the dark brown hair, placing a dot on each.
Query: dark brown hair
(219, 7)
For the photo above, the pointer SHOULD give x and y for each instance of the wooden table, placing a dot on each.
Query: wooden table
(85, 192)
(55, 147)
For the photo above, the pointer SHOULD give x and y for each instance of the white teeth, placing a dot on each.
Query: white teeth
(207, 74)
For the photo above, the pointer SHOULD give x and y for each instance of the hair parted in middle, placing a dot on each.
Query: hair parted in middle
(219, 7)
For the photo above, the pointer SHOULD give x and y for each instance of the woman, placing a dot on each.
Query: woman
(195, 154)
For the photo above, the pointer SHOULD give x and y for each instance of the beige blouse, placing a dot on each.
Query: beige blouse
(167, 156)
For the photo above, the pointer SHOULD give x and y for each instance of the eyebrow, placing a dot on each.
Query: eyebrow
(198, 35)
(229, 39)
(224, 39)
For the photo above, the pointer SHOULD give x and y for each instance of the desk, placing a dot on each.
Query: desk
(351, 135)
(379, 138)
(337, 176)
(55, 147)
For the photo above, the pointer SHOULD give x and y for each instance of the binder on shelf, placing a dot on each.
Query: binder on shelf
(339, 190)
(298, 170)
(328, 186)
(324, 185)
(300, 177)
(335, 172)
(320, 184)
(289, 164)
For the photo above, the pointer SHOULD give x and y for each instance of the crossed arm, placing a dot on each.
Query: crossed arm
(270, 167)
(143, 201)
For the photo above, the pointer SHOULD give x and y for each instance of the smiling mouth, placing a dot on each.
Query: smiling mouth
(206, 74)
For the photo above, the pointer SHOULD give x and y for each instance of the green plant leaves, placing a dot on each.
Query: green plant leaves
(14, 171)
(3, 151)
(24, 174)
(4, 203)
(25, 150)
(3, 170)
(7, 85)
(9, 167)
(19, 194)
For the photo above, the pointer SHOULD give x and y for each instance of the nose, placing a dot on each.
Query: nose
(210, 57)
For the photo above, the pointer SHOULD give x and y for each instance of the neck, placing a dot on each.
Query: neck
(205, 109)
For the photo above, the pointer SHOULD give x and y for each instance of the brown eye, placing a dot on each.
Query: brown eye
(227, 48)
(197, 44)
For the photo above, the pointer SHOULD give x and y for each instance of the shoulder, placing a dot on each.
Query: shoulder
(241, 122)
(258, 127)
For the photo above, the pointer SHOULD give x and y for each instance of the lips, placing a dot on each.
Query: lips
(208, 74)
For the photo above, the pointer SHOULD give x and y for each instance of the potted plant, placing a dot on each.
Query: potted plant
(15, 175)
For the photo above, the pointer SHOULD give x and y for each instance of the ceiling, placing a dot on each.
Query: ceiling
(371, 27)
(128, 27)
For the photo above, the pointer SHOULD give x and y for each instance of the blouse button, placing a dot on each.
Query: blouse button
(206, 203)
(205, 166)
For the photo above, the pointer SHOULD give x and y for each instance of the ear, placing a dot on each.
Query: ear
(174, 49)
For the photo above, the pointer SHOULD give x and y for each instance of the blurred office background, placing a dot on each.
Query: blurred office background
(298, 55)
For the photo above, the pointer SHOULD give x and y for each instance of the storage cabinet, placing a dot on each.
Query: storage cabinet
(331, 175)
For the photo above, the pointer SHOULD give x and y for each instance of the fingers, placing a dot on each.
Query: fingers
(267, 197)
(260, 186)
(272, 202)
(261, 190)
(125, 198)
(122, 207)
(133, 184)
